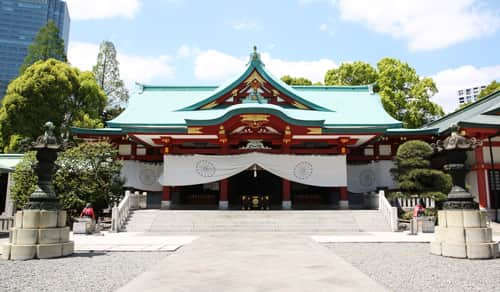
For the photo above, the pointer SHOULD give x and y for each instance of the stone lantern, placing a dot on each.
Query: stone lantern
(462, 230)
(40, 228)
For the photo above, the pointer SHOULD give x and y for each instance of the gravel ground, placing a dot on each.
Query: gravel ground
(81, 272)
(411, 267)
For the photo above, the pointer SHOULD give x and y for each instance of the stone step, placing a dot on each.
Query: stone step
(186, 221)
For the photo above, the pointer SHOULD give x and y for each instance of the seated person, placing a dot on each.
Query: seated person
(88, 212)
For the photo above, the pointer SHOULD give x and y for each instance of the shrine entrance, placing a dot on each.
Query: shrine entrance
(255, 189)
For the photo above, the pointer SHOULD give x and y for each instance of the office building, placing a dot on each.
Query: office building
(20, 21)
(468, 95)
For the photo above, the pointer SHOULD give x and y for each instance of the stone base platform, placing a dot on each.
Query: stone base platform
(464, 234)
(38, 234)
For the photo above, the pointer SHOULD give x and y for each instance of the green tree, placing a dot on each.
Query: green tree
(47, 44)
(414, 174)
(48, 91)
(356, 73)
(89, 172)
(492, 87)
(107, 74)
(405, 95)
(24, 179)
(295, 80)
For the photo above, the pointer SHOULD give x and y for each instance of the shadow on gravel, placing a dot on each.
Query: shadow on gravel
(89, 254)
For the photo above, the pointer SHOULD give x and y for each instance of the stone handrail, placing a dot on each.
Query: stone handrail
(6, 223)
(409, 203)
(119, 214)
(390, 213)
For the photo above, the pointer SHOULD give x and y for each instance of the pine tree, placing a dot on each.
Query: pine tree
(107, 74)
(47, 44)
(414, 173)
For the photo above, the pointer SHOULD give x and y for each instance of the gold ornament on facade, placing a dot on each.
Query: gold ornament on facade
(287, 137)
(299, 105)
(195, 130)
(210, 105)
(314, 131)
(222, 135)
(254, 120)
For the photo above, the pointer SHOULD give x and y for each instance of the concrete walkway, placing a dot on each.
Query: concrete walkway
(253, 262)
(129, 241)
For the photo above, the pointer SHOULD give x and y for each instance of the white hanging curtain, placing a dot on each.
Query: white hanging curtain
(370, 176)
(142, 176)
(325, 171)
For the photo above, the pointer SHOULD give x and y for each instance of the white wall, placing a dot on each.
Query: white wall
(496, 154)
(368, 177)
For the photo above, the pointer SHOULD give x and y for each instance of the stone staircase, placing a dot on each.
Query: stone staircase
(177, 221)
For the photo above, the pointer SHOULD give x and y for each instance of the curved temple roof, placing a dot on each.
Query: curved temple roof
(354, 107)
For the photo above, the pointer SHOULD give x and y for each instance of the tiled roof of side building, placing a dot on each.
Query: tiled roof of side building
(482, 113)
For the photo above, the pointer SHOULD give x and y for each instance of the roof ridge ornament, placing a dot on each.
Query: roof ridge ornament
(255, 57)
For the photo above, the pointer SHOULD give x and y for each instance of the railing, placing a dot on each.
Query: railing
(120, 213)
(390, 212)
(6, 223)
(408, 203)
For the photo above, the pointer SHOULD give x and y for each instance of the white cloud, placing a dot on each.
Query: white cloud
(217, 66)
(449, 81)
(425, 24)
(313, 70)
(246, 25)
(133, 68)
(323, 27)
(102, 9)
(186, 51)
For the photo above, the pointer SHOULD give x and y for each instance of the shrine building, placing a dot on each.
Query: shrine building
(256, 142)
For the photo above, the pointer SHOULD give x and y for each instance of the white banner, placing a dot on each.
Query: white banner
(370, 176)
(325, 171)
(142, 176)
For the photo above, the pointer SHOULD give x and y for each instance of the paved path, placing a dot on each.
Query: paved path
(253, 262)
(129, 241)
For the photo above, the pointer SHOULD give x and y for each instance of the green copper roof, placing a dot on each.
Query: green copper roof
(8, 162)
(175, 107)
(255, 64)
(104, 131)
(482, 113)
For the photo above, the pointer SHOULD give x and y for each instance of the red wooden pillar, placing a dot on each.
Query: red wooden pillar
(165, 197)
(344, 198)
(286, 201)
(223, 190)
(481, 177)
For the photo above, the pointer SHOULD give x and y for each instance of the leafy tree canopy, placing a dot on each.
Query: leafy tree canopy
(47, 44)
(107, 74)
(356, 73)
(405, 95)
(89, 172)
(49, 91)
(414, 174)
(295, 80)
(492, 87)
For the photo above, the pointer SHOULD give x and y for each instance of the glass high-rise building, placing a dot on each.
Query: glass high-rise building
(20, 21)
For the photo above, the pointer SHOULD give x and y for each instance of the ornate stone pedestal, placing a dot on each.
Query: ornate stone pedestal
(463, 230)
(40, 228)
(38, 234)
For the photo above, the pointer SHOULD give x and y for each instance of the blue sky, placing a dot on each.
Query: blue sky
(178, 42)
